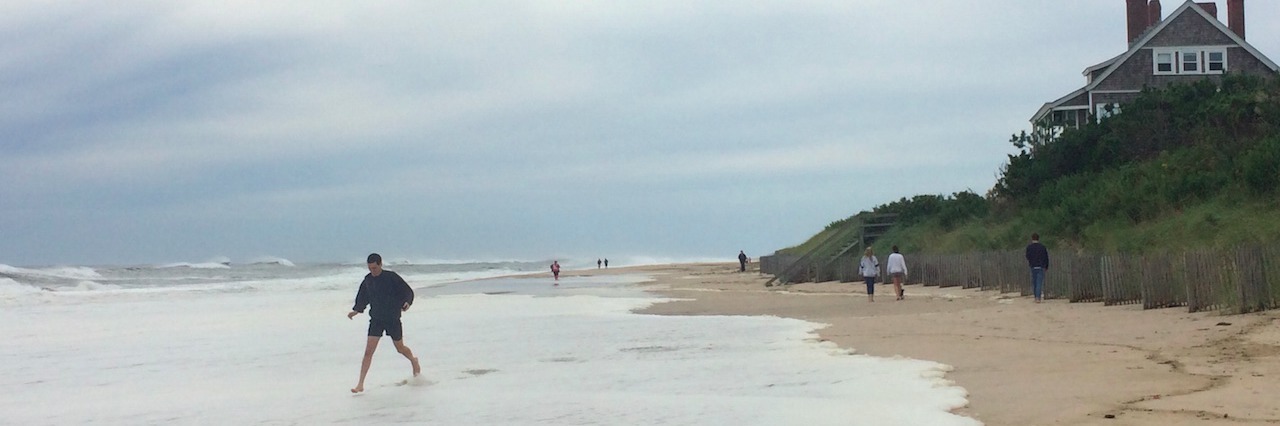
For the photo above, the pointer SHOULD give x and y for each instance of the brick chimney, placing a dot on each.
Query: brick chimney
(1154, 15)
(1138, 18)
(1211, 8)
(1235, 16)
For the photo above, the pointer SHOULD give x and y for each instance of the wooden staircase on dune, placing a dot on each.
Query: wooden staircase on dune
(850, 237)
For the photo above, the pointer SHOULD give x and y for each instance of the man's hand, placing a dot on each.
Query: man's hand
(352, 314)
(405, 307)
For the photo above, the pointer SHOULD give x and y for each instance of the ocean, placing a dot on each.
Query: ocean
(269, 343)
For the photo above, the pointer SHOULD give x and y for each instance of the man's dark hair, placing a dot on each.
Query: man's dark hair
(1035, 236)
(375, 258)
(895, 249)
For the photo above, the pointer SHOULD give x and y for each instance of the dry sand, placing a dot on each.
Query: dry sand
(1053, 363)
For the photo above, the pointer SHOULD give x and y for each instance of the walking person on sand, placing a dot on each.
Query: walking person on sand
(869, 267)
(898, 270)
(555, 270)
(742, 261)
(386, 295)
(1038, 260)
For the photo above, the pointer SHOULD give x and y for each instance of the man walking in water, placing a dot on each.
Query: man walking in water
(555, 270)
(386, 295)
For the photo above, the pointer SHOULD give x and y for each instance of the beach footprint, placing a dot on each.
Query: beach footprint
(415, 381)
(477, 372)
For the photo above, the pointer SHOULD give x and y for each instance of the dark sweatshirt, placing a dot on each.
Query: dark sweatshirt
(384, 294)
(1037, 255)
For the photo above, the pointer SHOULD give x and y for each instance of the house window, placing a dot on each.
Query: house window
(1164, 63)
(1216, 61)
(1106, 110)
(1190, 60)
(1067, 118)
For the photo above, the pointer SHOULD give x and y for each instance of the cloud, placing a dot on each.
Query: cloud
(305, 116)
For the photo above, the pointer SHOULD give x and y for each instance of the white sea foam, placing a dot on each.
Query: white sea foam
(10, 287)
(343, 279)
(207, 265)
(661, 260)
(440, 278)
(268, 260)
(67, 272)
(89, 286)
(509, 359)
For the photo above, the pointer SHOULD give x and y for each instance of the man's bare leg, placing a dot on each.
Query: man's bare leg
(369, 347)
(408, 353)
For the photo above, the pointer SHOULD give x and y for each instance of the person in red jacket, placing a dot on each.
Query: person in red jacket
(386, 295)
(555, 270)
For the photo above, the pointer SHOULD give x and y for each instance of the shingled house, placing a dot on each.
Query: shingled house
(1190, 44)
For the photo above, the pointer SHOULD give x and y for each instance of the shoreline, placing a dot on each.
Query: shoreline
(1021, 363)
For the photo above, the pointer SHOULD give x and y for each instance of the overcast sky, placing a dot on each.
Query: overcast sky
(168, 131)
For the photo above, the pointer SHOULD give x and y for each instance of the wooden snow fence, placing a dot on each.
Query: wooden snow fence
(1241, 279)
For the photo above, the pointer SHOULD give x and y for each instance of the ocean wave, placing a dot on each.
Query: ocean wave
(10, 287)
(67, 272)
(455, 262)
(89, 286)
(128, 283)
(579, 262)
(429, 279)
(268, 260)
(661, 260)
(208, 265)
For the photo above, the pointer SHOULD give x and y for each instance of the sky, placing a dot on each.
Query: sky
(142, 132)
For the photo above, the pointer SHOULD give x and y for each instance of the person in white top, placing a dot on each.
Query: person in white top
(898, 270)
(870, 268)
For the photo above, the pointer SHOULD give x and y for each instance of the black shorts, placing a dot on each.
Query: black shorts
(391, 327)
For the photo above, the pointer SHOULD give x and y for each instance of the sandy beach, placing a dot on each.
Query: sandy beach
(1054, 363)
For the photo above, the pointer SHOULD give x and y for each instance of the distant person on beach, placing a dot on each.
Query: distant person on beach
(898, 270)
(555, 270)
(386, 295)
(606, 263)
(869, 267)
(1038, 259)
(742, 261)
(597, 263)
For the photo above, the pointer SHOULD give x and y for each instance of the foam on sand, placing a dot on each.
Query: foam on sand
(291, 356)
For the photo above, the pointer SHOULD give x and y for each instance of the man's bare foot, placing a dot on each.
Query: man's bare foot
(357, 389)
(416, 368)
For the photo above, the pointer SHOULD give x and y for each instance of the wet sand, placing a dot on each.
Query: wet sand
(1053, 363)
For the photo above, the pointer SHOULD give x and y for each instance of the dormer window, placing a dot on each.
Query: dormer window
(1190, 60)
(1216, 61)
(1164, 63)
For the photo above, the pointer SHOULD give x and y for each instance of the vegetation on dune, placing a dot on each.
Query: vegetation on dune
(1191, 165)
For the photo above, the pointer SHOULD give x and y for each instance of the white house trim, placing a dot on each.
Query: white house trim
(1117, 91)
(1165, 23)
(1050, 106)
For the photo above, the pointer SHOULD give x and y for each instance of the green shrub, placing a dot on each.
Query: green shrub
(1261, 166)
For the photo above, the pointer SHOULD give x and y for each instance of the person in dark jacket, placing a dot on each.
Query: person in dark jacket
(1038, 259)
(386, 295)
(742, 261)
